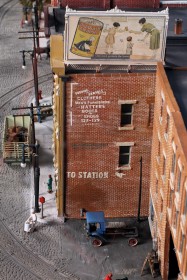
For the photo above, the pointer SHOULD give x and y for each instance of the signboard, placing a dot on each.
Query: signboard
(115, 37)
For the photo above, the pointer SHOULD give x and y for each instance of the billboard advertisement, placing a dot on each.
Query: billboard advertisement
(115, 35)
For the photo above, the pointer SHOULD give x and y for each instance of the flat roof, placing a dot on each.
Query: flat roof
(178, 83)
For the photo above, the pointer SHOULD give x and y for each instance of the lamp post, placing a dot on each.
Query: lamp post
(35, 157)
(35, 70)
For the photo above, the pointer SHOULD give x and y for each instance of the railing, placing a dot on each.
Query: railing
(13, 150)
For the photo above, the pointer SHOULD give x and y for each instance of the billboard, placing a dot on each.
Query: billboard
(115, 36)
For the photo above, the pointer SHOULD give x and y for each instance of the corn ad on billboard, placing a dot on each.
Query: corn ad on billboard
(115, 37)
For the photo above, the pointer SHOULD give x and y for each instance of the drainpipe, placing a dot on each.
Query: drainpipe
(140, 191)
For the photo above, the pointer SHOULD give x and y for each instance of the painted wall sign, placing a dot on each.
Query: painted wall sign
(88, 175)
(123, 37)
(89, 105)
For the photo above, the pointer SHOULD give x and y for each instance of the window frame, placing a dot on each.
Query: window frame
(124, 144)
(129, 126)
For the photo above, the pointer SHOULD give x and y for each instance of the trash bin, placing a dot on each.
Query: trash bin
(29, 225)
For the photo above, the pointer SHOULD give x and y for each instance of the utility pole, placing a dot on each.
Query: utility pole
(36, 21)
(35, 154)
(36, 169)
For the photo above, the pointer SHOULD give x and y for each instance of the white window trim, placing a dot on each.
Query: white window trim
(127, 126)
(168, 111)
(121, 102)
(119, 144)
(174, 147)
(180, 165)
(162, 95)
(125, 144)
(166, 136)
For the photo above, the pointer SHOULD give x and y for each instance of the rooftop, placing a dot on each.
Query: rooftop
(178, 82)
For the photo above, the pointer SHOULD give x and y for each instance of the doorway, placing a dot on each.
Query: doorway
(173, 264)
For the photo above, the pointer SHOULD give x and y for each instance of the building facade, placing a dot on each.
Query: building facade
(168, 191)
(99, 139)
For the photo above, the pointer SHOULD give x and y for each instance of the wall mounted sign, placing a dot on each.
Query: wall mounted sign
(115, 37)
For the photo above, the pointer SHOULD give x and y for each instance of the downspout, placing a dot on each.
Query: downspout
(140, 191)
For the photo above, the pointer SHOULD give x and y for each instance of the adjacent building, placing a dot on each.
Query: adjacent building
(168, 189)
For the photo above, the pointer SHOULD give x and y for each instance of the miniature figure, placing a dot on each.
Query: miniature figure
(110, 38)
(49, 184)
(154, 33)
(129, 45)
(108, 276)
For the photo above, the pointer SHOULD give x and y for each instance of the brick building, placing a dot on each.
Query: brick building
(104, 146)
(107, 118)
(168, 192)
(109, 4)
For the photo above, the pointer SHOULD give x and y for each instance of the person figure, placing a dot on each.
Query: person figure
(108, 276)
(84, 45)
(49, 184)
(110, 38)
(129, 45)
(154, 33)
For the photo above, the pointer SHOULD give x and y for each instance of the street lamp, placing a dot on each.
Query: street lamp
(35, 70)
(35, 157)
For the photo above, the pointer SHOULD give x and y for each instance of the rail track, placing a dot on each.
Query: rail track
(6, 8)
(28, 261)
(17, 91)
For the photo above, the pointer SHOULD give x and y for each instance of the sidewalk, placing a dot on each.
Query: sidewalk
(43, 133)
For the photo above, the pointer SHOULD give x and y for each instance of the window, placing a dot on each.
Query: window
(164, 166)
(126, 114)
(156, 186)
(171, 198)
(161, 107)
(182, 239)
(167, 123)
(151, 210)
(161, 205)
(124, 155)
(175, 219)
(173, 162)
(185, 206)
(179, 180)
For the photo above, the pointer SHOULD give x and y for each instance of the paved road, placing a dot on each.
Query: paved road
(55, 250)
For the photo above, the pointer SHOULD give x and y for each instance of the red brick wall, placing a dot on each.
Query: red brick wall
(109, 4)
(91, 146)
(74, 4)
(136, 3)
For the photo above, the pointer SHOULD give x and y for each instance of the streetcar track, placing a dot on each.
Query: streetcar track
(44, 271)
(21, 89)
(7, 9)
(12, 257)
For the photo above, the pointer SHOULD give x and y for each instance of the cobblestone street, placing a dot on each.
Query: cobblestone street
(56, 250)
